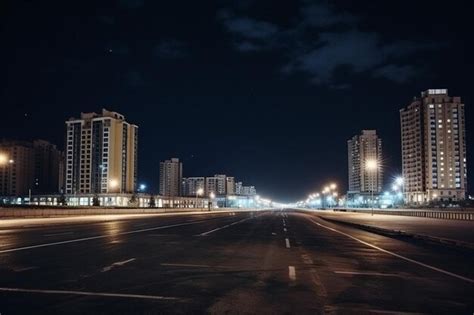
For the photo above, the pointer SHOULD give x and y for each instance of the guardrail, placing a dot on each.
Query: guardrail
(51, 212)
(434, 214)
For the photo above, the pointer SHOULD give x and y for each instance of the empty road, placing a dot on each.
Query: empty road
(269, 262)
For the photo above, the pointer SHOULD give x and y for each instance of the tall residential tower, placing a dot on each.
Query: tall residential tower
(434, 148)
(171, 176)
(365, 158)
(101, 154)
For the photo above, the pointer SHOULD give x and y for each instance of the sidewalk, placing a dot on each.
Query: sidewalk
(459, 231)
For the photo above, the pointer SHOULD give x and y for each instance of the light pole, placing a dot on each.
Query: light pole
(371, 166)
(211, 198)
(199, 192)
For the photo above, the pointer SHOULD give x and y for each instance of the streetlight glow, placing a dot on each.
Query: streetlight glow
(371, 164)
(200, 191)
(113, 183)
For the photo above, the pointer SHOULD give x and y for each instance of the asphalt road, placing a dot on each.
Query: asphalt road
(243, 263)
(448, 229)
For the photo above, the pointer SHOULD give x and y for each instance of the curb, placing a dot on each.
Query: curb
(402, 234)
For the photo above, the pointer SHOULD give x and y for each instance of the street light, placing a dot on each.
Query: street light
(113, 183)
(212, 195)
(371, 165)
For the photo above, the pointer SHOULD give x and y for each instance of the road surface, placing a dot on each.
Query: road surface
(272, 262)
(458, 230)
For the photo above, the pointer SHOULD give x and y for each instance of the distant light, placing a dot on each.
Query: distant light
(371, 164)
(399, 181)
(113, 183)
(142, 187)
(333, 186)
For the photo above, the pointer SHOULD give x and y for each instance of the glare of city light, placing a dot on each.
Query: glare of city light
(212, 195)
(113, 183)
(333, 186)
(3, 159)
(399, 181)
(142, 187)
(371, 165)
(200, 191)
(395, 187)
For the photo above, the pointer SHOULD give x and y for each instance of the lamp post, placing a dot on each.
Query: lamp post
(371, 166)
(199, 192)
(211, 198)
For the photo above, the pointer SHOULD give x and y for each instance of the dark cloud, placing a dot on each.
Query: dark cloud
(320, 15)
(170, 49)
(131, 4)
(317, 47)
(396, 73)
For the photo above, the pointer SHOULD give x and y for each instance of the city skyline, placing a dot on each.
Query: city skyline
(231, 94)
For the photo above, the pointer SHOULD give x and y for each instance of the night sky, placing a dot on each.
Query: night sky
(266, 91)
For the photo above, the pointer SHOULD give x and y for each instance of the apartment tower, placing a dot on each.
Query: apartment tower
(171, 175)
(101, 154)
(434, 148)
(365, 157)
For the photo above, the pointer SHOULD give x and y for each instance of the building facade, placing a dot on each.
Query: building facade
(434, 148)
(230, 185)
(171, 175)
(101, 154)
(365, 163)
(48, 168)
(191, 186)
(17, 168)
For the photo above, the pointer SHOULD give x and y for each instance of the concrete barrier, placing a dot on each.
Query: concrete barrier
(44, 213)
(434, 214)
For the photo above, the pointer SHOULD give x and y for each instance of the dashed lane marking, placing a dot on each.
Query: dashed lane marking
(117, 264)
(98, 237)
(292, 273)
(223, 227)
(287, 241)
(96, 294)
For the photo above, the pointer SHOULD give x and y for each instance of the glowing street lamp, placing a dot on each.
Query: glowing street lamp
(333, 186)
(113, 183)
(371, 166)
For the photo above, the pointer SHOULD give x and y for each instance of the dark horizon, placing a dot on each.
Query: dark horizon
(266, 92)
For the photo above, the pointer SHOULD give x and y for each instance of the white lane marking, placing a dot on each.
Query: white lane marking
(357, 273)
(120, 295)
(396, 255)
(185, 265)
(222, 227)
(287, 241)
(196, 265)
(56, 234)
(292, 273)
(285, 230)
(24, 269)
(117, 264)
(97, 237)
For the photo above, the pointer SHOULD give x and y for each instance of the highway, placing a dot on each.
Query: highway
(268, 262)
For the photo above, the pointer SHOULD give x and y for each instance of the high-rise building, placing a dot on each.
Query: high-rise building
(211, 185)
(434, 148)
(364, 161)
(191, 186)
(17, 168)
(238, 188)
(171, 174)
(101, 154)
(47, 168)
(230, 186)
(248, 191)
